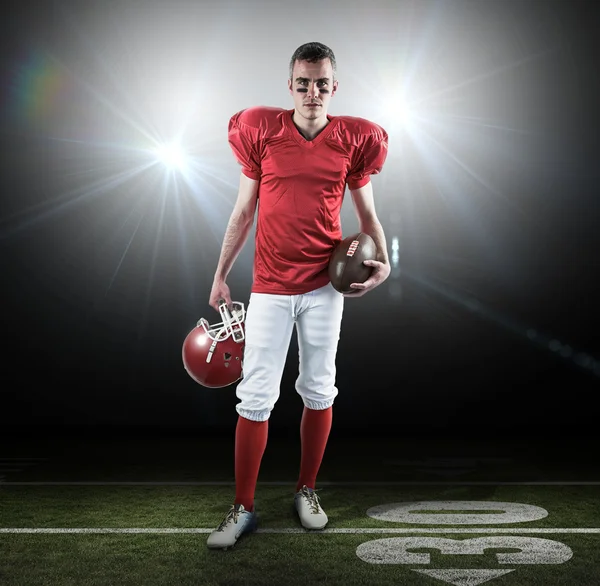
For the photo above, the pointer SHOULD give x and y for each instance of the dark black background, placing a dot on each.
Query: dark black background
(449, 356)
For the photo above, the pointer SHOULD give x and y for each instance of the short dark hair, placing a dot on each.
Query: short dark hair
(312, 52)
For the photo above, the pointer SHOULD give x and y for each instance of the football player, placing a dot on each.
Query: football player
(295, 166)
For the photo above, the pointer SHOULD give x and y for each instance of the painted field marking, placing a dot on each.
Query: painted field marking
(282, 531)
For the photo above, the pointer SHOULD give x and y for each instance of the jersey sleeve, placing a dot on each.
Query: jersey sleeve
(370, 158)
(243, 140)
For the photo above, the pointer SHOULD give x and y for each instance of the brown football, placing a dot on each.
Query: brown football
(346, 262)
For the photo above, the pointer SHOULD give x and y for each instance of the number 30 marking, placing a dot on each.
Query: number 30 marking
(533, 550)
(506, 512)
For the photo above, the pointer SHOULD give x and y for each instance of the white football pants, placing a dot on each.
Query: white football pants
(269, 323)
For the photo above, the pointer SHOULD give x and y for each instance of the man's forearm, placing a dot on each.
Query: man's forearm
(235, 237)
(375, 230)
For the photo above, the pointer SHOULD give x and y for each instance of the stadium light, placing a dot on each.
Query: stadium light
(172, 156)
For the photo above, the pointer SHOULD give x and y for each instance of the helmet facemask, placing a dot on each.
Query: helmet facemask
(231, 325)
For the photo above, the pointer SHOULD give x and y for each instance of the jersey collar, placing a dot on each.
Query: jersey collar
(297, 136)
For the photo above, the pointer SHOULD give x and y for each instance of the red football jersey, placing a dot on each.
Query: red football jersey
(302, 186)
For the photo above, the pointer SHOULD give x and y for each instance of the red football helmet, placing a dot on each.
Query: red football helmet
(213, 354)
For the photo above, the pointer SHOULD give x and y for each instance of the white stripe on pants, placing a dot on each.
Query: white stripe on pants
(269, 323)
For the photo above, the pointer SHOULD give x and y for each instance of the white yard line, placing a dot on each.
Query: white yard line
(418, 530)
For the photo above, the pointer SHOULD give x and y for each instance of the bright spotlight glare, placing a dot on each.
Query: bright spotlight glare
(171, 155)
(396, 110)
(395, 252)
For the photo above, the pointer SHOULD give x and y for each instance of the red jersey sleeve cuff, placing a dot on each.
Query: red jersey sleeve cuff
(359, 183)
(251, 174)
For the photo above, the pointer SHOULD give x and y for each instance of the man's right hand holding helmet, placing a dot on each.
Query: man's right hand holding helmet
(219, 293)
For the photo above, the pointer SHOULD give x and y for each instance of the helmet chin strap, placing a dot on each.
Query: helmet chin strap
(211, 351)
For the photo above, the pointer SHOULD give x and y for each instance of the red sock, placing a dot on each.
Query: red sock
(250, 444)
(314, 433)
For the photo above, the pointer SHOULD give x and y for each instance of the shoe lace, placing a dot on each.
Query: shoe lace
(232, 515)
(312, 498)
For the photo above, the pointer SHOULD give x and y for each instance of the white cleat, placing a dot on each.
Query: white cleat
(312, 516)
(237, 522)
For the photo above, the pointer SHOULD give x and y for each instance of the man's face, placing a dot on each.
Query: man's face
(312, 86)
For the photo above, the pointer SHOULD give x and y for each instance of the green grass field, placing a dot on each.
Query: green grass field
(92, 523)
